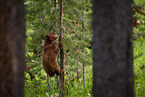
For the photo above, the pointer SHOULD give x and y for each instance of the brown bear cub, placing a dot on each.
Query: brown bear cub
(51, 49)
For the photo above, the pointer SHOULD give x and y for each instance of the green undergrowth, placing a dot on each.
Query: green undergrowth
(74, 86)
(139, 68)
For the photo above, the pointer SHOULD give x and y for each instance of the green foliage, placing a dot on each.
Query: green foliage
(139, 55)
(139, 69)
(42, 16)
(73, 86)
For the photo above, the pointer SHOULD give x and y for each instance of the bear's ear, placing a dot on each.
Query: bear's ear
(57, 36)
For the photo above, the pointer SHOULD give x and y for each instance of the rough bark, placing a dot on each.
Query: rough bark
(112, 49)
(6, 75)
(12, 37)
(62, 55)
(18, 46)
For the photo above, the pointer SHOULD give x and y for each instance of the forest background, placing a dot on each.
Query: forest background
(42, 17)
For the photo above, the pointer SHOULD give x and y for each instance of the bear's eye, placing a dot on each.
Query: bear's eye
(46, 36)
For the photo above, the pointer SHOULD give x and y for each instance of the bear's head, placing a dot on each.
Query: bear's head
(50, 37)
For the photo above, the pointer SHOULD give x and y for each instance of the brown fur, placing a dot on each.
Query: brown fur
(50, 51)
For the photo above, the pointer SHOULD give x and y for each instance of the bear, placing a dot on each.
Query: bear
(51, 49)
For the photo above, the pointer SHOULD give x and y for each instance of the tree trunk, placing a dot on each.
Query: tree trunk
(83, 29)
(6, 75)
(12, 35)
(62, 55)
(18, 46)
(112, 49)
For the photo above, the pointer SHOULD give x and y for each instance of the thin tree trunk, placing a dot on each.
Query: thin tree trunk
(83, 29)
(112, 49)
(84, 75)
(62, 91)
